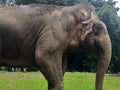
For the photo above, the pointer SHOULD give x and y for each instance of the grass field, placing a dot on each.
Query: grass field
(72, 81)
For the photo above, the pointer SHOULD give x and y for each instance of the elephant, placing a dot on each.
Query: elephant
(44, 36)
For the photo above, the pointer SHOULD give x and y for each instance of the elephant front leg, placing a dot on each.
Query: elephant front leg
(51, 68)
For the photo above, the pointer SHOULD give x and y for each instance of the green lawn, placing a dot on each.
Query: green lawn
(72, 81)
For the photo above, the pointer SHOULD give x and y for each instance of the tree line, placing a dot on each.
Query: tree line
(82, 61)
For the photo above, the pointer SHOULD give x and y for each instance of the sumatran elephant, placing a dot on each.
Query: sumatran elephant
(43, 36)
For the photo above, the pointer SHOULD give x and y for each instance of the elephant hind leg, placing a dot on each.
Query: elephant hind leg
(52, 70)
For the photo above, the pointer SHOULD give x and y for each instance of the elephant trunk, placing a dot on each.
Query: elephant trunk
(104, 57)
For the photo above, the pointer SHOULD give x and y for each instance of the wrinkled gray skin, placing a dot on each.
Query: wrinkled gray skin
(43, 36)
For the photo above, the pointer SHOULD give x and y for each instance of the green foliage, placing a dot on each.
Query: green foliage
(109, 15)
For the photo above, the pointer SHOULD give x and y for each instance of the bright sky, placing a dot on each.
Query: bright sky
(118, 5)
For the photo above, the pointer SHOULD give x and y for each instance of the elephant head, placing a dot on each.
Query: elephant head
(99, 42)
(78, 22)
(86, 31)
(91, 33)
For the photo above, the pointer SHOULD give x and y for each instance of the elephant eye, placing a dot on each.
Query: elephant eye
(97, 27)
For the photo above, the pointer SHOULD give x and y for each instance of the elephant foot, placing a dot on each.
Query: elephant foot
(55, 86)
